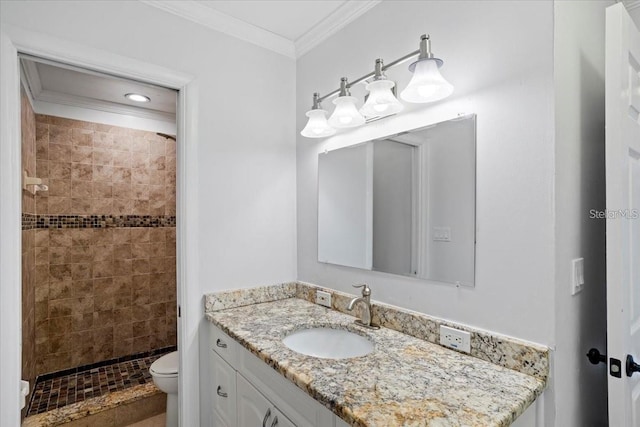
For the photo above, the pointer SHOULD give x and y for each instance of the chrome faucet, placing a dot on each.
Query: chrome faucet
(366, 300)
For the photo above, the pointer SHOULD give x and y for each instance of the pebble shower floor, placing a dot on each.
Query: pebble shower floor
(65, 389)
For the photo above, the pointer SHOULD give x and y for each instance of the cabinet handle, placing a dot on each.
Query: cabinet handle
(221, 393)
(275, 422)
(220, 344)
(266, 417)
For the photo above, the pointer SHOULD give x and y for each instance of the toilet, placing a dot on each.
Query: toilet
(165, 376)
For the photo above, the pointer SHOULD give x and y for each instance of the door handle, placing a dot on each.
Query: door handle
(221, 393)
(631, 366)
(595, 357)
(275, 422)
(266, 417)
(221, 344)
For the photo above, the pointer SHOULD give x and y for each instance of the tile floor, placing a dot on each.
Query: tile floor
(64, 390)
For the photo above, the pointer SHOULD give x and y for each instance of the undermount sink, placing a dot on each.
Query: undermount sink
(328, 343)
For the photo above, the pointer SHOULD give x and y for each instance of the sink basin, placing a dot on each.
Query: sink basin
(328, 343)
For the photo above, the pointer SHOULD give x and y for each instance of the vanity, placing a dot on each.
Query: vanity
(257, 380)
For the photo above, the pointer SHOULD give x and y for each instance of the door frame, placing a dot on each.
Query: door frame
(16, 40)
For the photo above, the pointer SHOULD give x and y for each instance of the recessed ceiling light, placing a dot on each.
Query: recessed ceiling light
(136, 97)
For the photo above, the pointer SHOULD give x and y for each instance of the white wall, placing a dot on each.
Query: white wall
(499, 57)
(241, 174)
(450, 191)
(392, 206)
(581, 388)
(487, 48)
(345, 208)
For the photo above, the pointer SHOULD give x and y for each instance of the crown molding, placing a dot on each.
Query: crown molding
(333, 23)
(211, 18)
(632, 4)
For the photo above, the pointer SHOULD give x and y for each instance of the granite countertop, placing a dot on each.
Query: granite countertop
(405, 381)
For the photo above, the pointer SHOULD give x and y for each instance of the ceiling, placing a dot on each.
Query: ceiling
(288, 27)
(51, 82)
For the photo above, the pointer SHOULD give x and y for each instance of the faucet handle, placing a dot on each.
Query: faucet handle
(366, 290)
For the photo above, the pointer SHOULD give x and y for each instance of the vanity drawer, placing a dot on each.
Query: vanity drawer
(224, 391)
(224, 346)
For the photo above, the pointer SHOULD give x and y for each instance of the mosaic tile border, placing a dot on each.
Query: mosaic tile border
(30, 221)
(522, 356)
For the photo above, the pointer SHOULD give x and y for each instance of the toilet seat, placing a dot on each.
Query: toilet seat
(165, 366)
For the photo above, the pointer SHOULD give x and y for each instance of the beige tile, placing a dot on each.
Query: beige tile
(81, 237)
(59, 188)
(140, 235)
(102, 173)
(140, 191)
(157, 147)
(140, 207)
(121, 175)
(140, 145)
(42, 169)
(81, 172)
(157, 162)
(156, 421)
(122, 190)
(60, 169)
(82, 154)
(42, 238)
(59, 153)
(102, 156)
(122, 252)
(122, 206)
(102, 206)
(102, 140)
(82, 137)
(102, 190)
(103, 269)
(101, 419)
(157, 177)
(122, 142)
(81, 189)
(122, 159)
(140, 161)
(142, 410)
(102, 253)
(42, 149)
(140, 176)
(80, 206)
(59, 135)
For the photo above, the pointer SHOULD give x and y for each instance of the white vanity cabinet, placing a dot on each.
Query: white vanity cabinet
(248, 393)
(254, 409)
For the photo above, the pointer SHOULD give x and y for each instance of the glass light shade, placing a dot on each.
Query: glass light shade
(381, 101)
(317, 126)
(427, 84)
(346, 114)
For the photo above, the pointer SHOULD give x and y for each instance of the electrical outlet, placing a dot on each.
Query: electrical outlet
(455, 338)
(323, 298)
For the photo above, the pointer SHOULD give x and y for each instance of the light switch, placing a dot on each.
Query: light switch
(442, 234)
(577, 275)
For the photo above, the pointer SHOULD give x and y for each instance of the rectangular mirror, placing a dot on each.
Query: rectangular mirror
(403, 204)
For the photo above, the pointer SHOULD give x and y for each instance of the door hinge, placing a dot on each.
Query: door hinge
(179, 312)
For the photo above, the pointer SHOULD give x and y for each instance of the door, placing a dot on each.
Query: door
(623, 209)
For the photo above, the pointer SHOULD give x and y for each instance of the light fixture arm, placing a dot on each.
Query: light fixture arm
(425, 48)
(383, 68)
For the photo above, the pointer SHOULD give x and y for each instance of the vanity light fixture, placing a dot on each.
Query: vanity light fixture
(381, 100)
(345, 115)
(317, 126)
(426, 85)
(136, 97)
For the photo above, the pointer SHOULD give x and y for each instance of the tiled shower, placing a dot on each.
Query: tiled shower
(99, 266)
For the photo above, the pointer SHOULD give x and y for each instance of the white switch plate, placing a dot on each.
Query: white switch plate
(455, 338)
(577, 275)
(323, 298)
(442, 234)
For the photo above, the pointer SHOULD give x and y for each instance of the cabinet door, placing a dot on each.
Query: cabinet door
(254, 409)
(224, 390)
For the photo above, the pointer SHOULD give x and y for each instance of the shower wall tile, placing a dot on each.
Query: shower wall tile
(100, 169)
(106, 292)
(101, 294)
